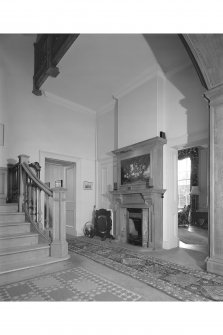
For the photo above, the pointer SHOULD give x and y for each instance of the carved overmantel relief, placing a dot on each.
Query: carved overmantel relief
(145, 193)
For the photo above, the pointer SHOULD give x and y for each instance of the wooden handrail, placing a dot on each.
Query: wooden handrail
(43, 187)
(31, 193)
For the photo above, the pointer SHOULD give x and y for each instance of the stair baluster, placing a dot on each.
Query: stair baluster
(39, 209)
(47, 212)
(31, 192)
(34, 211)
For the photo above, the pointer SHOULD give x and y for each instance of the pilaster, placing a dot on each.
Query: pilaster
(215, 260)
(59, 246)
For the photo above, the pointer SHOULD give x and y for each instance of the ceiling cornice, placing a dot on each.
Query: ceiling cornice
(106, 108)
(141, 79)
(138, 81)
(67, 103)
(179, 69)
(131, 86)
(144, 77)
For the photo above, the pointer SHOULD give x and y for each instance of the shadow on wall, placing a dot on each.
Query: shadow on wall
(171, 54)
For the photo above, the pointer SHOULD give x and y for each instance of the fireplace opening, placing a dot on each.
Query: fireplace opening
(134, 235)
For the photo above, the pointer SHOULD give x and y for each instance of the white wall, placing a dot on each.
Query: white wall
(137, 114)
(138, 119)
(186, 111)
(3, 114)
(105, 134)
(173, 104)
(35, 124)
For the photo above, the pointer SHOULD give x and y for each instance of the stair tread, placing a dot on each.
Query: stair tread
(9, 204)
(18, 235)
(25, 248)
(22, 265)
(11, 213)
(14, 223)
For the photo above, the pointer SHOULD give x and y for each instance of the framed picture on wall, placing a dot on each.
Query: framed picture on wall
(59, 183)
(88, 185)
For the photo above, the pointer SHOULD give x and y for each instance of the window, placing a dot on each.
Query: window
(184, 172)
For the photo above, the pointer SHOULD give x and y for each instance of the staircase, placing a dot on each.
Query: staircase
(21, 251)
(27, 245)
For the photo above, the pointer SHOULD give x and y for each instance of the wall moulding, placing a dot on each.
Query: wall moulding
(189, 140)
(67, 103)
(147, 75)
(143, 78)
(215, 95)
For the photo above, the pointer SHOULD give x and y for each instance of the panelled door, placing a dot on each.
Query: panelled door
(58, 170)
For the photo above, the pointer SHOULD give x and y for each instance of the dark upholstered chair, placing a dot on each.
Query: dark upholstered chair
(103, 223)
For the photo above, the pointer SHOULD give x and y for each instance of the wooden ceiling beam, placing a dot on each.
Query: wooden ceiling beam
(48, 51)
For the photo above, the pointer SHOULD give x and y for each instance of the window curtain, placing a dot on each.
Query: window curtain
(193, 154)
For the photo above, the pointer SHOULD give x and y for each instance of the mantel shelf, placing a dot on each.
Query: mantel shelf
(142, 191)
(147, 143)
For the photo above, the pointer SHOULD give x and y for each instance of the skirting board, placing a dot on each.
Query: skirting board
(215, 265)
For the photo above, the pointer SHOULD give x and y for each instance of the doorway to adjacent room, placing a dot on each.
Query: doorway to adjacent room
(193, 199)
(57, 170)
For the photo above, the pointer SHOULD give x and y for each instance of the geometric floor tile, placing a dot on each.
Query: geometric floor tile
(35, 298)
(107, 297)
(19, 290)
(61, 294)
(72, 284)
(86, 285)
(46, 282)
(70, 276)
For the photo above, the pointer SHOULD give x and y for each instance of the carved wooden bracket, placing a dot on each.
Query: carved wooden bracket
(48, 51)
(147, 199)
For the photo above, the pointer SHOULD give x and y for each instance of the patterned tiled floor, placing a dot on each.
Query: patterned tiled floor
(74, 284)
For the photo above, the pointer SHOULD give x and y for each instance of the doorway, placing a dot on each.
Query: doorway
(193, 199)
(64, 171)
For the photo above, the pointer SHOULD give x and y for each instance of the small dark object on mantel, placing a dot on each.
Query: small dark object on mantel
(148, 184)
(163, 135)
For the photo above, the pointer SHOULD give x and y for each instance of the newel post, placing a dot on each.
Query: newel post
(59, 246)
(22, 159)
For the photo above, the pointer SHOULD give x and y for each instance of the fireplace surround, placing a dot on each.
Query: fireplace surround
(142, 190)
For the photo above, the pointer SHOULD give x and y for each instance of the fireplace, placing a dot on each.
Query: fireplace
(134, 226)
(138, 195)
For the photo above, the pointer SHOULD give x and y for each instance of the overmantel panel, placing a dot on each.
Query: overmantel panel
(154, 147)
